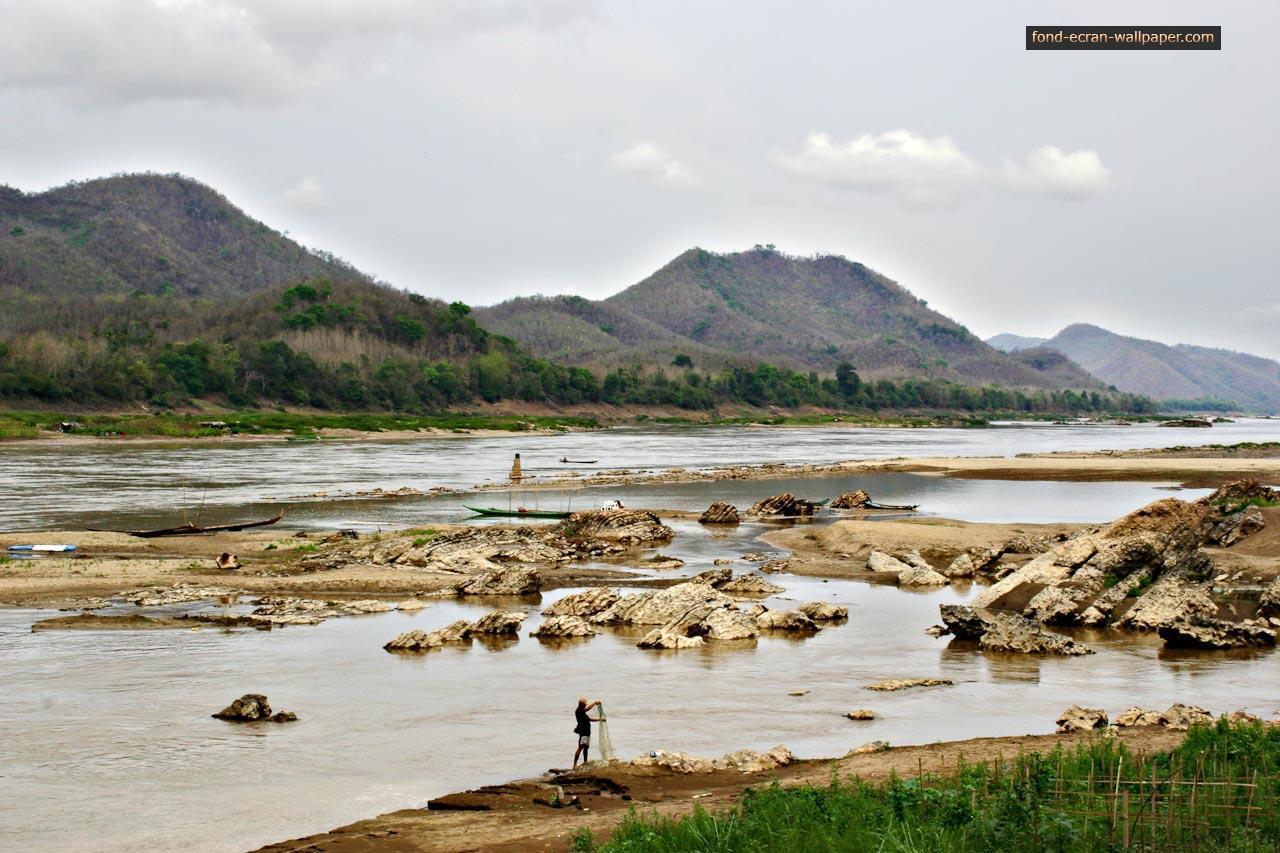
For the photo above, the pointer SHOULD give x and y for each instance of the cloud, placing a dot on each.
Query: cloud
(1049, 170)
(121, 51)
(650, 160)
(933, 172)
(308, 194)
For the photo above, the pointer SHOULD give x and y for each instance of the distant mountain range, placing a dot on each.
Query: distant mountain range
(762, 305)
(1162, 372)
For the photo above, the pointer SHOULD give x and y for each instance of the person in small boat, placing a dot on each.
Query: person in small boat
(583, 728)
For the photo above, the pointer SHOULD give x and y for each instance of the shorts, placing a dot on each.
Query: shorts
(584, 740)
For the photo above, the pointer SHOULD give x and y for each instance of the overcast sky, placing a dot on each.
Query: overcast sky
(482, 149)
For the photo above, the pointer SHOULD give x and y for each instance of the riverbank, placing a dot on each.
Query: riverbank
(508, 817)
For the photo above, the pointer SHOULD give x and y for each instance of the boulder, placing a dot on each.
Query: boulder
(664, 606)
(1170, 599)
(499, 622)
(252, 708)
(851, 500)
(750, 761)
(418, 640)
(360, 607)
(674, 762)
(894, 684)
(1204, 633)
(1236, 526)
(410, 604)
(861, 714)
(881, 563)
(512, 581)
(750, 586)
(965, 623)
(1078, 719)
(1240, 715)
(1137, 717)
(1007, 632)
(713, 577)
(725, 623)
(1239, 491)
(1181, 717)
(785, 620)
(625, 526)
(661, 638)
(1269, 603)
(917, 576)
(1053, 604)
(961, 567)
(913, 558)
(564, 626)
(784, 504)
(1187, 422)
(720, 513)
(585, 603)
(821, 611)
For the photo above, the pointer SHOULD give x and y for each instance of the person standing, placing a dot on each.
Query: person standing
(583, 728)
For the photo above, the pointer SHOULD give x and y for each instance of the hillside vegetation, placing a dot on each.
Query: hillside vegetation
(1190, 374)
(721, 310)
(155, 289)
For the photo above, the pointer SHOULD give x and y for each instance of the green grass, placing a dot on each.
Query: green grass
(1092, 797)
(1230, 506)
(294, 426)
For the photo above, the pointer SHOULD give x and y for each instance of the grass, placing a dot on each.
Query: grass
(1218, 790)
(295, 426)
(1231, 506)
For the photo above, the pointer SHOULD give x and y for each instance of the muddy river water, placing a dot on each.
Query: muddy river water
(106, 740)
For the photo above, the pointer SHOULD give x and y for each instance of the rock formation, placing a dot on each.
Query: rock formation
(661, 638)
(564, 626)
(251, 708)
(861, 714)
(851, 500)
(1207, 633)
(907, 683)
(625, 526)
(1007, 632)
(419, 641)
(499, 622)
(785, 504)
(685, 601)
(1137, 717)
(1181, 717)
(1078, 719)
(512, 581)
(749, 586)
(821, 611)
(786, 620)
(744, 761)
(586, 603)
(720, 513)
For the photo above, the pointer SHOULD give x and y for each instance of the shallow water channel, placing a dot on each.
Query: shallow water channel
(106, 740)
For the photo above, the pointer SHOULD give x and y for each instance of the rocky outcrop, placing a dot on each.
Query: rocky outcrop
(1007, 632)
(1078, 719)
(720, 513)
(253, 708)
(661, 561)
(785, 504)
(713, 577)
(910, 569)
(724, 623)
(689, 602)
(894, 684)
(661, 638)
(1181, 717)
(861, 714)
(786, 620)
(162, 596)
(1235, 527)
(743, 761)
(564, 626)
(499, 622)
(750, 586)
(277, 610)
(1204, 633)
(1137, 717)
(625, 526)
(918, 576)
(821, 611)
(1187, 422)
(1269, 602)
(586, 603)
(512, 581)
(420, 641)
(851, 500)
(962, 566)
(1169, 600)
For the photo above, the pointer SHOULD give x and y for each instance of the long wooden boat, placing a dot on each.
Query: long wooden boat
(517, 513)
(190, 529)
(568, 461)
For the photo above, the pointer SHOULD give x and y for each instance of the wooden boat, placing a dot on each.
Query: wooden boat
(578, 461)
(190, 529)
(874, 505)
(517, 513)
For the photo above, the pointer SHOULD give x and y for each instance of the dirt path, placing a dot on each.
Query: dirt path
(508, 818)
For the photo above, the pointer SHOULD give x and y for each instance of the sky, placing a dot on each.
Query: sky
(484, 149)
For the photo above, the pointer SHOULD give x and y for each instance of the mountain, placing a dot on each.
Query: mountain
(1013, 343)
(1181, 372)
(763, 305)
(151, 233)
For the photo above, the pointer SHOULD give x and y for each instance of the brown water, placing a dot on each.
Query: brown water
(106, 741)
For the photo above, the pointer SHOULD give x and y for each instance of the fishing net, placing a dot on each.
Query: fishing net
(606, 744)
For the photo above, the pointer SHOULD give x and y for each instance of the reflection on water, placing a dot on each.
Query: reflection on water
(49, 485)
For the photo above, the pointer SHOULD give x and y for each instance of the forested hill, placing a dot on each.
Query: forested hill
(155, 234)
(763, 305)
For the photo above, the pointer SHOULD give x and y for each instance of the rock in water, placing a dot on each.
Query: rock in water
(564, 626)
(750, 586)
(880, 562)
(851, 500)
(627, 526)
(251, 708)
(585, 603)
(786, 620)
(720, 513)
(961, 567)
(726, 623)
(907, 683)
(713, 577)
(690, 601)
(513, 581)
(821, 611)
(1170, 599)
(1078, 719)
(499, 622)
(1007, 632)
(417, 640)
(1204, 633)
(861, 714)
(661, 638)
(785, 504)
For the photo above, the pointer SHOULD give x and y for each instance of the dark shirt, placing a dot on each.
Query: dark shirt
(584, 722)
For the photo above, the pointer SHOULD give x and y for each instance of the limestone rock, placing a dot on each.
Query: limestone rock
(744, 761)
(851, 500)
(626, 526)
(1170, 599)
(861, 714)
(1269, 603)
(1205, 633)
(1052, 604)
(1007, 632)
(499, 622)
(1181, 717)
(913, 558)
(363, 606)
(1137, 717)
(663, 606)
(161, 596)
(961, 567)
(908, 683)
(512, 581)
(821, 611)
(662, 561)
(724, 623)
(585, 603)
(662, 638)
(965, 623)
(418, 640)
(750, 586)
(785, 620)
(1242, 716)
(564, 626)
(253, 707)
(785, 504)
(1078, 719)
(713, 577)
(412, 604)
(917, 576)
(1236, 526)
(720, 513)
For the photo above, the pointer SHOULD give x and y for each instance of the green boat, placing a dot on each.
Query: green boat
(517, 513)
